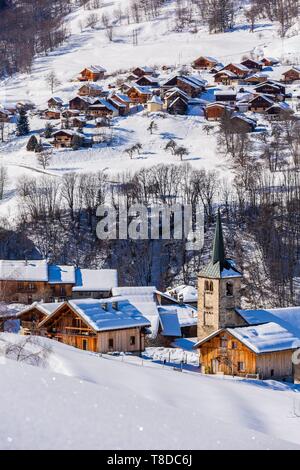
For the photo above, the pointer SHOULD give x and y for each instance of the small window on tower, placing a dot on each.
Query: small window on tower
(211, 286)
(206, 285)
(229, 289)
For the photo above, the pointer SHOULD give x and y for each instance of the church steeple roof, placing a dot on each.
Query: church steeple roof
(219, 266)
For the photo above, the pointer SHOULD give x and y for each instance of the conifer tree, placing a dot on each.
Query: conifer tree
(22, 123)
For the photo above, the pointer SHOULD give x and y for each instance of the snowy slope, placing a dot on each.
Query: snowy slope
(84, 401)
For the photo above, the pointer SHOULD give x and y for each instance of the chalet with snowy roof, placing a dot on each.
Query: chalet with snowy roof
(65, 138)
(259, 103)
(238, 69)
(204, 63)
(275, 89)
(256, 78)
(177, 106)
(70, 113)
(191, 85)
(52, 114)
(98, 325)
(142, 71)
(27, 281)
(269, 61)
(226, 77)
(184, 294)
(55, 102)
(155, 105)
(252, 64)
(147, 80)
(225, 96)
(92, 74)
(241, 123)
(102, 108)
(81, 103)
(291, 75)
(91, 89)
(77, 122)
(172, 93)
(121, 102)
(139, 94)
(232, 341)
(215, 111)
(279, 111)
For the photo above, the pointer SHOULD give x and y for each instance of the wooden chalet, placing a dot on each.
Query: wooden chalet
(253, 65)
(215, 111)
(189, 84)
(27, 281)
(91, 89)
(259, 103)
(80, 103)
(177, 106)
(269, 61)
(92, 74)
(70, 113)
(55, 102)
(32, 316)
(138, 94)
(147, 80)
(291, 75)
(226, 77)
(239, 70)
(102, 108)
(64, 138)
(262, 351)
(225, 96)
(279, 111)
(242, 124)
(204, 63)
(275, 89)
(142, 71)
(97, 325)
(173, 93)
(52, 114)
(117, 99)
(256, 78)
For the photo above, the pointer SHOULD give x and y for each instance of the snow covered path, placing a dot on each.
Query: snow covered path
(84, 401)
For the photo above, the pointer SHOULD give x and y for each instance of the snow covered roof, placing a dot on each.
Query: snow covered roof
(122, 97)
(57, 99)
(265, 338)
(102, 103)
(46, 308)
(69, 132)
(23, 270)
(93, 86)
(95, 69)
(155, 99)
(169, 323)
(145, 69)
(187, 315)
(186, 293)
(95, 280)
(288, 318)
(229, 73)
(107, 314)
(61, 274)
(225, 93)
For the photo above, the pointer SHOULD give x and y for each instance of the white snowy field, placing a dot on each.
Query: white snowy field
(82, 401)
(158, 44)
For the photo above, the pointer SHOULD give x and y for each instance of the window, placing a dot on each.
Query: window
(229, 289)
(111, 343)
(234, 345)
(84, 344)
(241, 366)
(272, 372)
(31, 286)
(132, 340)
(211, 286)
(223, 343)
(206, 285)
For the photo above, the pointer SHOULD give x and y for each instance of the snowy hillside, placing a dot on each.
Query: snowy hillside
(158, 45)
(80, 400)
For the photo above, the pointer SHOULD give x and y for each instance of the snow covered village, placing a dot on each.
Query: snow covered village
(157, 341)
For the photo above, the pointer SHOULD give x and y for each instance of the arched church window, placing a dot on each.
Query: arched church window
(229, 289)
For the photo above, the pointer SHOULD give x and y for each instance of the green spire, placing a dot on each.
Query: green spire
(218, 253)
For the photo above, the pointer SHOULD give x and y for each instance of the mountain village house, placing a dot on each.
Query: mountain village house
(291, 75)
(231, 341)
(204, 63)
(92, 74)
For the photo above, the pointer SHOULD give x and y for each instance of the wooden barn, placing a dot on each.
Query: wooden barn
(204, 63)
(97, 325)
(263, 350)
(92, 74)
(243, 124)
(291, 75)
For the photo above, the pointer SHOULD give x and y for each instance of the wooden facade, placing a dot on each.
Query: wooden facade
(215, 111)
(225, 354)
(52, 114)
(28, 292)
(68, 327)
(90, 90)
(259, 104)
(252, 64)
(204, 63)
(91, 75)
(240, 71)
(291, 75)
(138, 96)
